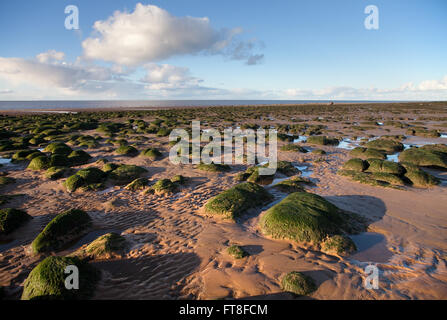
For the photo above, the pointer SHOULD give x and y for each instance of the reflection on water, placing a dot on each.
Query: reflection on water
(300, 139)
(4, 160)
(393, 157)
(371, 247)
(305, 172)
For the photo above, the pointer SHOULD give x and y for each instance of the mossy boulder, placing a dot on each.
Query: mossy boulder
(294, 148)
(91, 175)
(58, 148)
(255, 177)
(363, 177)
(298, 283)
(235, 201)
(383, 166)
(125, 174)
(388, 178)
(435, 147)
(237, 252)
(39, 163)
(22, 155)
(109, 167)
(11, 219)
(47, 280)
(74, 182)
(303, 217)
(295, 184)
(323, 140)
(151, 153)
(108, 246)
(386, 145)
(214, 167)
(164, 186)
(59, 160)
(424, 158)
(138, 184)
(179, 179)
(418, 177)
(356, 164)
(319, 152)
(55, 173)
(79, 157)
(367, 153)
(338, 245)
(422, 132)
(63, 229)
(127, 151)
(286, 168)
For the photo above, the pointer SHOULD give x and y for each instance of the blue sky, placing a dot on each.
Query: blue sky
(297, 49)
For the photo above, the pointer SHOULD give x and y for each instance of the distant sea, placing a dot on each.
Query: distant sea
(64, 105)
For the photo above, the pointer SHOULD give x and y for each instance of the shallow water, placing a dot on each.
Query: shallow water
(305, 172)
(5, 160)
(393, 157)
(300, 139)
(371, 247)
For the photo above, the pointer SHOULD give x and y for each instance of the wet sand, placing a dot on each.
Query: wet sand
(177, 252)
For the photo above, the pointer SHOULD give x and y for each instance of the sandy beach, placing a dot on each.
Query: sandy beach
(177, 251)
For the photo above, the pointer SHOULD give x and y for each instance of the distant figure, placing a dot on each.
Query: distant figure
(331, 103)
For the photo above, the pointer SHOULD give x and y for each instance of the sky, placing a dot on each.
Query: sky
(202, 49)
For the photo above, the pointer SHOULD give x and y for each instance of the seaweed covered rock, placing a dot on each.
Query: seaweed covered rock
(355, 164)
(11, 219)
(366, 178)
(295, 184)
(39, 163)
(55, 173)
(367, 153)
(389, 178)
(124, 173)
(127, 151)
(108, 246)
(151, 153)
(214, 167)
(179, 179)
(74, 182)
(424, 157)
(164, 186)
(137, 184)
(22, 155)
(322, 140)
(418, 177)
(63, 229)
(385, 145)
(298, 283)
(58, 148)
(383, 166)
(286, 168)
(109, 167)
(293, 147)
(318, 152)
(47, 280)
(91, 175)
(422, 132)
(237, 252)
(59, 160)
(237, 200)
(79, 157)
(338, 245)
(303, 217)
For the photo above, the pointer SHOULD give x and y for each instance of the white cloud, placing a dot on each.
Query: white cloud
(168, 77)
(50, 56)
(150, 34)
(426, 90)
